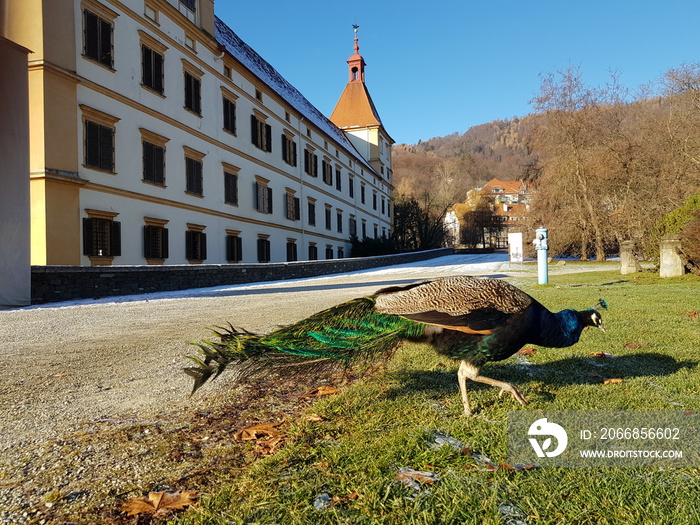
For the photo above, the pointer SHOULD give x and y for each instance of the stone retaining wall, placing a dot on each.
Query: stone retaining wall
(62, 283)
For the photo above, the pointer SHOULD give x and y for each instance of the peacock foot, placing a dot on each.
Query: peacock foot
(507, 387)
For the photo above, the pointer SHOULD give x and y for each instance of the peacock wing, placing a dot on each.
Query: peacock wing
(464, 303)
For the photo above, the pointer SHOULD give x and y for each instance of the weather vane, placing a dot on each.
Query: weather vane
(355, 27)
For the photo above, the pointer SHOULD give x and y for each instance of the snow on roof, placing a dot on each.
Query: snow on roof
(270, 76)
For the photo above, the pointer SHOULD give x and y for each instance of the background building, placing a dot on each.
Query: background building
(159, 137)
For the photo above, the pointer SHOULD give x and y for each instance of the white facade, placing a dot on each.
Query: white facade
(115, 97)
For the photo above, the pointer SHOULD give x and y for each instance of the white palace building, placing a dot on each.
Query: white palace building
(157, 136)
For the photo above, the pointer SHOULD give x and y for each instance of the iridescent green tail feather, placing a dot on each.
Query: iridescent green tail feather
(343, 334)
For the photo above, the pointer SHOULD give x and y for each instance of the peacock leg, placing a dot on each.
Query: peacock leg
(467, 370)
(462, 375)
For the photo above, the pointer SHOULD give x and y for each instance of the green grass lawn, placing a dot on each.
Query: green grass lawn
(387, 421)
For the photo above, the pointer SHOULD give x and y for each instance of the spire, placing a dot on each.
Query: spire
(356, 64)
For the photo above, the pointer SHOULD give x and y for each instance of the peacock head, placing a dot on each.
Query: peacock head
(592, 317)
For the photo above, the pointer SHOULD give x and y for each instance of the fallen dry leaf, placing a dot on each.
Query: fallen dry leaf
(159, 503)
(635, 345)
(613, 381)
(267, 447)
(323, 391)
(62, 374)
(263, 430)
(603, 355)
(692, 315)
(407, 475)
(527, 351)
(314, 418)
(517, 466)
(340, 500)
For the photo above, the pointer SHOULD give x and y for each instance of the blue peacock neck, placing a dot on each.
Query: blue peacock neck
(561, 329)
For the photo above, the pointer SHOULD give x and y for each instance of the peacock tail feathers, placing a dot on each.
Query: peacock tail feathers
(346, 333)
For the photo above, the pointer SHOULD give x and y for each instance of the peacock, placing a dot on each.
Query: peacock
(475, 320)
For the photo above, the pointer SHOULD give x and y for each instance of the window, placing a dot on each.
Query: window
(155, 239)
(193, 172)
(229, 115)
(153, 153)
(260, 132)
(338, 181)
(234, 246)
(327, 171)
(101, 234)
(97, 38)
(352, 226)
(195, 243)
(263, 249)
(151, 69)
(364, 229)
(339, 220)
(98, 139)
(190, 4)
(99, 146)
(230, 187)
(362, 193)
(329, 251)
(312, 212)
(153, 163)
(193, 99)
(383, 206)
(291, 250)
(351, 186)
(292, 206)
(289, 150)
(262, 195)
(313, 252)
(341, 252)
(328, 217)
(310, 163)
(374, 200)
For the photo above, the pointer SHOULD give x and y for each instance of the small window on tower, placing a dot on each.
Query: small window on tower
(354, 73)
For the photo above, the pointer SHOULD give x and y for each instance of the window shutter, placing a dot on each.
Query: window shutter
(158, 72)
(297, 209)
(269, 200)
(148, 242)
(149, 163)
(315, 166)
(165, 247)
(285, 156)
(188, 90)
(294, 153)
(254, 130)
(229, 247)
(268, 137)
(91, 48)
(203, 253)
(88, 235)
(256, 196)
(92, 144)
(146, 66)
(159, 161)
(105, 43)
(106, 148)
(196, 85)
(115, 238)
(188, 244)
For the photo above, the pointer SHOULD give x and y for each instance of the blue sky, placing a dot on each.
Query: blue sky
(438, 67)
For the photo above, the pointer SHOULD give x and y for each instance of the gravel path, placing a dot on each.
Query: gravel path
(70, 364)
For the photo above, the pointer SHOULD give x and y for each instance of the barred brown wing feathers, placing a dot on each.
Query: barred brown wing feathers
(455, 296)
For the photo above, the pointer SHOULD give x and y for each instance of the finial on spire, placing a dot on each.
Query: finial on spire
(357, 45)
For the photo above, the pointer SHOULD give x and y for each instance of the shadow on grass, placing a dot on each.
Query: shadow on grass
(569, 371)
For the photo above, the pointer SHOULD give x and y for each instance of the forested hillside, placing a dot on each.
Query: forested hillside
(607, 165)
